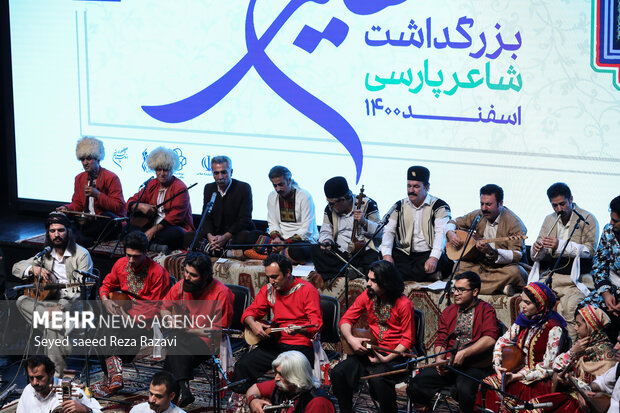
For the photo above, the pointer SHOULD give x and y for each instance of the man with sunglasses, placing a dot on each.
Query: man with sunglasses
(335, 237)
(96, 191)
(474, 324)
(293, 302)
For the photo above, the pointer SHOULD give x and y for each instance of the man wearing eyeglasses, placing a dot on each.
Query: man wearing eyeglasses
(414, 238)
(96, 191)
(474, 324)
(335, 237)
(296, 307)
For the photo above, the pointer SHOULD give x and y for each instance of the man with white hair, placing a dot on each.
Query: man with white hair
(165, 201)
(96, 191)
(293, 383)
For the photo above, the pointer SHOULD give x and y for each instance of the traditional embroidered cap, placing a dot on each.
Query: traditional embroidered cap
(418, 173)
(336, 187)
(57, 218)
(594, 317)
(543, 295)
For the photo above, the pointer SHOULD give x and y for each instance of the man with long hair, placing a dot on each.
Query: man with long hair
(58, 265)
(391, 321)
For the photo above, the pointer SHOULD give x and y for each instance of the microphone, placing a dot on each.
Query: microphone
(146, 182)
(476, 220)
(234, 383)
(532, 406)
(46, 250)
(581, 217)
(120, 219)
(23, 287)
(386, 217)
(211, 202)
(87, 274)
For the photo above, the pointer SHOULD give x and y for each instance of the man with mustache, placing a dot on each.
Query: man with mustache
(230, 219)
(39, 395)
(59, 265)
(96, 191)
(391, 321)
(290, 215)
(162, 391)
(293, 382)
(577, 258)
(414, 238)
(498, 262)
(198, 294)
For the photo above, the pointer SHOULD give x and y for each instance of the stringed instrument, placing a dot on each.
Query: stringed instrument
(597, 404)
(471, 252)
(122, 298)
(357, 242)
(143, 221)
(513, 360)
(42, 289)
(63, 395)
(371, 344)
(253, 339)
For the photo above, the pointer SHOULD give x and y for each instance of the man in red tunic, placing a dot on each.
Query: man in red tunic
(294, 302)
(390, 318)
(139, 277)
(172, 220)
(474, 323)
(96, 191)
(206, 301)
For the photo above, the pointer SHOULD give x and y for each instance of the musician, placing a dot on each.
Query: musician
(140, 278)
(339, 219)
(96, 191)
(474, 323)
(590, 356)
(606, 270)
(498, 265)
(290, 215)
(60, 265)
(39, 394)
(162, 391)
(199, 294)
(231, 216)
(539, 332)
(294, 302)
(390, 318)
(414, 238)
(577, 259)
(173, 219)
(608, 383)
(294, 381)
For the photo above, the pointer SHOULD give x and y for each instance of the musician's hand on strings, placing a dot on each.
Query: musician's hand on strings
(41, 272)
(454, 239)
(73, 406)
(146, 209)
(290, 330)
(484, 247)
(256, 405)
(430, 266)
(91, 191)
(358, 344)
(258, 330)
(551, 243)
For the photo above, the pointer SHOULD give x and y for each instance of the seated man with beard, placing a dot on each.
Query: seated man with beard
(293, 383)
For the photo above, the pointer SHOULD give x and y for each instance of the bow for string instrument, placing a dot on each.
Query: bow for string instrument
(143, 221)
(357, 242)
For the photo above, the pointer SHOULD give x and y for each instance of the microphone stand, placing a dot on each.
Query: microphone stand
(470, 234)
(340, 273)
(130, 216)
(549, 279)
(206, 212)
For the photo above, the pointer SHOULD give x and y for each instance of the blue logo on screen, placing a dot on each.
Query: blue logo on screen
(182, 159)
(206, 163)
(119, 155)
(302, 100)
(145, 164)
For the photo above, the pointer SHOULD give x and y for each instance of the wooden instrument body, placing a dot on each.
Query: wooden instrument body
(357, 242)
(66, 395)
(359, 333)
(471, 252)
(45, 288)
(597, 404)
(513, 358)
(122, 299)
(272, 331)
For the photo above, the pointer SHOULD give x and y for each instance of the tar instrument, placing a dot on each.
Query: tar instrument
(42, 289)
(253, 339)
(357, 242)
(85, 215)
(122, 298)
(285, 406)
(471, 252)
(63, 392)
(371, 344)
(144, 222)
(549, 233)
(597, 404)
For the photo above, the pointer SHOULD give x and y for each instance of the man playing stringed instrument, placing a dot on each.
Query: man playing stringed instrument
(344, 217)
(58, 266)
(474, 323)
(97, 191)
(294, 383)
(390, 319)
(497, 263)
(166, 226)
(577, 258)
(139, 278)
(39, 394)
(414, 238)
(294, 302)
